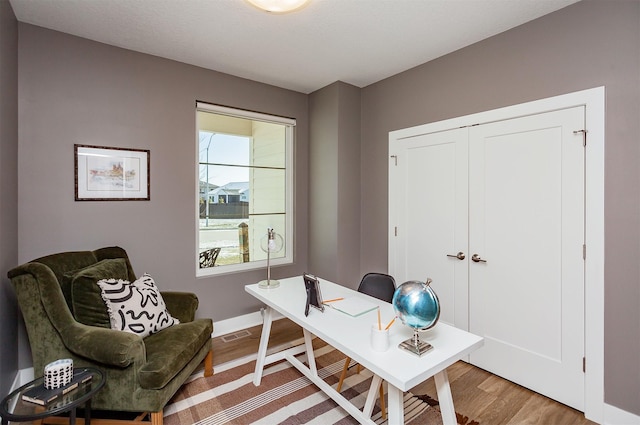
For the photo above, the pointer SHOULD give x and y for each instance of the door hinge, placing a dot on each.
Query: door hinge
(395, 158)
(584, 136)
(584, 251)
(584, 364)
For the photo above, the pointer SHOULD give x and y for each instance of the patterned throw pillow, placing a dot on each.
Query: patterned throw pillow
(136, 307)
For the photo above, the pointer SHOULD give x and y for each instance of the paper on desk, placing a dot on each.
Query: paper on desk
(354, 306)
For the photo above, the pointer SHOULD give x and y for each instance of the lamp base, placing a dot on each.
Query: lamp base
(268, 284)
(415, 346)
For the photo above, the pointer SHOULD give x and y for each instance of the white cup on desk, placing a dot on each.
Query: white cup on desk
(379, 338)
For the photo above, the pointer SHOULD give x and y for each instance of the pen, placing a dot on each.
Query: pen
(379, 325)
(390, 323)
(330, 301)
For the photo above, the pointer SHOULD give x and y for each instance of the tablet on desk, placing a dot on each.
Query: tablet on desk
(314, 297)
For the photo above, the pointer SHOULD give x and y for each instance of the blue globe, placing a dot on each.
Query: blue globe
(416, 304)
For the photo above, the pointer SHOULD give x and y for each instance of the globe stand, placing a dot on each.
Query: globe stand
(414, 345)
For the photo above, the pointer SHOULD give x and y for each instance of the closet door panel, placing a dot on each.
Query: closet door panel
(527, 226)
(428, 216)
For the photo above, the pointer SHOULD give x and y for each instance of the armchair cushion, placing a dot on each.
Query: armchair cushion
(170, 350)
(86, 296)
(136, 307)
(181, 305)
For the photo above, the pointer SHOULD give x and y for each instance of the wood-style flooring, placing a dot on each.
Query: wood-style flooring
(477, 394)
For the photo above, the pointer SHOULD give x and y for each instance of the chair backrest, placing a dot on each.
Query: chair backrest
(208, 258)
(378, 285)
(64, 262)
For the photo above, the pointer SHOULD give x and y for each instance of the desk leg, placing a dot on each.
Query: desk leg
(445, 399)
(87, 412)
(376, 381)
(395, 409)
(72, 416)
(311, 358)
(264, 343)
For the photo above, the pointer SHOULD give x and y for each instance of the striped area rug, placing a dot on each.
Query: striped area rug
(285, 396)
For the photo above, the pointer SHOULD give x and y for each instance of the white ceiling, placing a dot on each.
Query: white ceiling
(356, 41)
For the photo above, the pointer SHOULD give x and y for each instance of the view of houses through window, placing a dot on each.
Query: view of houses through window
(244, 187)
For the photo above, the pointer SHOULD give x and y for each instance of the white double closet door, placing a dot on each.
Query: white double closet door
(509, 194)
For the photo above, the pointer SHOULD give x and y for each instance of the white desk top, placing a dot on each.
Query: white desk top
(351, 334)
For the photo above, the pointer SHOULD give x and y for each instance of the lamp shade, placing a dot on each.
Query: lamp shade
(278, 6)
(271, 242)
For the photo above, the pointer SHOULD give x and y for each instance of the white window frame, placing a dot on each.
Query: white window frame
(289, 124)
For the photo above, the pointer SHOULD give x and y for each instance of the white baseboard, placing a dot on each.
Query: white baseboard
(616, 416)
(22, 377)
(16, 382)
(235, 324)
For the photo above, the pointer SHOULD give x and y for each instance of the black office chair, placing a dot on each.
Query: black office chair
(380, 286)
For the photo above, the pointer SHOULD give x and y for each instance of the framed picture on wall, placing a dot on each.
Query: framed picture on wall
(111, 174)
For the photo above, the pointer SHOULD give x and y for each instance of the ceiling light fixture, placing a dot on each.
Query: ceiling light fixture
(278, 6)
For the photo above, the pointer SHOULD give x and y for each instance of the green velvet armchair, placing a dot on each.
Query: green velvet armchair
(142, 374)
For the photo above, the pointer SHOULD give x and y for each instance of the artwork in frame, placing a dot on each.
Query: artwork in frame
(111, 174)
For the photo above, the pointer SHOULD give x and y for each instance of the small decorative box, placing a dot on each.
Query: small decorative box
(58, 374)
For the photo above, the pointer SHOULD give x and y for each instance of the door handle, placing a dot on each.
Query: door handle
(477, 259)
(459, 255)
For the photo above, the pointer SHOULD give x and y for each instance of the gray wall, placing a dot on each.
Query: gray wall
(323, 182)
(334, 183)
(588, 44)
(72, 90)
(8, 192)
(349, 185)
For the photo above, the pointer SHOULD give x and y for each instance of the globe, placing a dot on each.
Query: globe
(416, 304)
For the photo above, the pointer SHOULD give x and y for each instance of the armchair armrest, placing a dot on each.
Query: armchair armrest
(181, 305)
(107, 346)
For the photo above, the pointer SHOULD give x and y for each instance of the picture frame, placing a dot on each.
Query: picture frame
(105, 173)
(314, 297)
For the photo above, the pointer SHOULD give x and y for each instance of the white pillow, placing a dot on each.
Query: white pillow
(136, 307)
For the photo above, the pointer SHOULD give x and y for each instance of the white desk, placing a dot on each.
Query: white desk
(402, 370)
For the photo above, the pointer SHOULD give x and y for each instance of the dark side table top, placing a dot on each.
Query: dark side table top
(14, 408)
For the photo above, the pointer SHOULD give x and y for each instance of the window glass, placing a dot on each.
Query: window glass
(244, 188)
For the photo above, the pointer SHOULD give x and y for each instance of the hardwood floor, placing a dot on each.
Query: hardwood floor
(477, 394)
(490, 399)
(282, 332)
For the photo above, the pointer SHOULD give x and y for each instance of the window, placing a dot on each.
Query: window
(245, 186)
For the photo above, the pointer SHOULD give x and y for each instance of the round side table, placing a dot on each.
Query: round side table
(14, 408)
